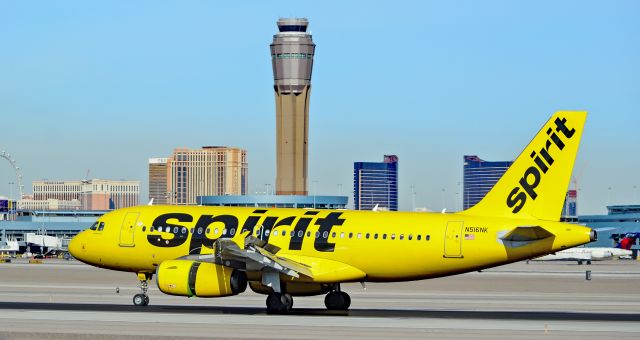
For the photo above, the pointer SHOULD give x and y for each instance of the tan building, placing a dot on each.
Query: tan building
(48, 204)
(158, 180)
(95, 194)
(210, 171)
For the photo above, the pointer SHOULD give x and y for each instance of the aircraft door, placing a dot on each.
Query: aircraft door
(453, 239)
(127, 229)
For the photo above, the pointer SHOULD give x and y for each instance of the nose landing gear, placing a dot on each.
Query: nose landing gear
(142, 299)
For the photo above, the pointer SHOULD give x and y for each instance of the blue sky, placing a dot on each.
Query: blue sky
(105, 85)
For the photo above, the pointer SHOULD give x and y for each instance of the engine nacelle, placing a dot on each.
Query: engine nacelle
(202, 279)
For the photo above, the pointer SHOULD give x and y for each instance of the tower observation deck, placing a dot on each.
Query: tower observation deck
(292, 53)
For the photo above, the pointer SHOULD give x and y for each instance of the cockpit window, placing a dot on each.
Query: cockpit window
(101, 226)
(94, 226)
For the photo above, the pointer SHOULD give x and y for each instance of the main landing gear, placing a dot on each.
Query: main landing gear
(281, 303)
(337, 300)
(142, 299)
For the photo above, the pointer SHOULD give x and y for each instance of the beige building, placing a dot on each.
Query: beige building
(210, 171)
(48, 204)
(95, 194)
(159, 180)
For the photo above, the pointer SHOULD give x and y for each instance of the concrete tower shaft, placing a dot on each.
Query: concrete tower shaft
(292, 53)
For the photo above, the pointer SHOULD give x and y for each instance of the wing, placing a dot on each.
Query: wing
(257, 255)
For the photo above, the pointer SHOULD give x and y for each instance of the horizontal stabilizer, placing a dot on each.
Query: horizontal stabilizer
(526, 234)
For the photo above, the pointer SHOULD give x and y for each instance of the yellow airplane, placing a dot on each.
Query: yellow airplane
(218, 251)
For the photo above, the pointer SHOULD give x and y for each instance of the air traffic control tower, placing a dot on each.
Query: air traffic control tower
(292, 53)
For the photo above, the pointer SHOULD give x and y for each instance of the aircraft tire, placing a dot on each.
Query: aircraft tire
(278, 303)
(347, 300)
(337, 301)
(140, 300)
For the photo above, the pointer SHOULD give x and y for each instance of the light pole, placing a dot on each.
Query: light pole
(315, 192)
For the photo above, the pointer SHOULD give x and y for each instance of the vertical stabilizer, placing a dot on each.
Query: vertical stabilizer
(536, 184)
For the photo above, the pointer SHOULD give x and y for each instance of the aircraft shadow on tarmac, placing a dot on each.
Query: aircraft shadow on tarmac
(398, 313)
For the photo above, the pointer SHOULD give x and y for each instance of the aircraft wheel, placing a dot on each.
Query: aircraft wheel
(289, 299)
(588, 261)
(337, 301)
(140, 300)
(579, 262)
(278, 303)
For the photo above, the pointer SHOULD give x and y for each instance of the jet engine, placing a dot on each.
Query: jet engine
(202, 279)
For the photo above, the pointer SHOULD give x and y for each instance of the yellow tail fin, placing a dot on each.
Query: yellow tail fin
(535, 185)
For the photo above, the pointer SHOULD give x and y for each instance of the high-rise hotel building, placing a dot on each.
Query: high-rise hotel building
(376, 183)
(292, 53)
(159, 180)
(479, 176)
(188, 173)
(94, 194)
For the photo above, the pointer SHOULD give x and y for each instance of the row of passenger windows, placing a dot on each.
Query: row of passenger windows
(292, 233)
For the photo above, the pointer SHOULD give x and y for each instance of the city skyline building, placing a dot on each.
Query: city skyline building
(210, 171)
(376, 183)
(158, 180)
(479, 176)
(292, 52)
(93, 194)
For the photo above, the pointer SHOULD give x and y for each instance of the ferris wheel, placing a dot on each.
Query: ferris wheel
(16, 168)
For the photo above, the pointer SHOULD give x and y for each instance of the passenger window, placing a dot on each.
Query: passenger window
(368, 236)
(384, 236)
(275, 233)
(152, 229)
(224, 231)
(215, 231)
(159, 229)
(333, 234)
(144, 229)
(350, 235)
(393, 236)
(300, 233)
(317, 234)
(293, 233)
(266, 232)
(190, 230)
(325, 234)
(184, 230)
(308, 234)
(402, 236)
(233, 231)
(199, 231)
(419, 237)
(410, 237)
(428, 237)
(175, 230)
(375, 236)
(341, 235)
(359, 235)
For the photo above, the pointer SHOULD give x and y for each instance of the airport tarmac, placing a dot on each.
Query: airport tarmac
(69, 300)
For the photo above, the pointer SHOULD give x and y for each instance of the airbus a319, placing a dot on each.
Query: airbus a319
(220, 251)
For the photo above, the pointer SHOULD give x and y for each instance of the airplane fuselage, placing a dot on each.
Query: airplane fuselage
(345, 245)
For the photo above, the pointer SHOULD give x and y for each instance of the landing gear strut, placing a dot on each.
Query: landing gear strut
(142, 299)
(337, 300)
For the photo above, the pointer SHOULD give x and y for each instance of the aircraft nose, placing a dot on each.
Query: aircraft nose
(75, 246)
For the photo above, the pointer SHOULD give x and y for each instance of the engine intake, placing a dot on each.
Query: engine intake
(202, 279)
